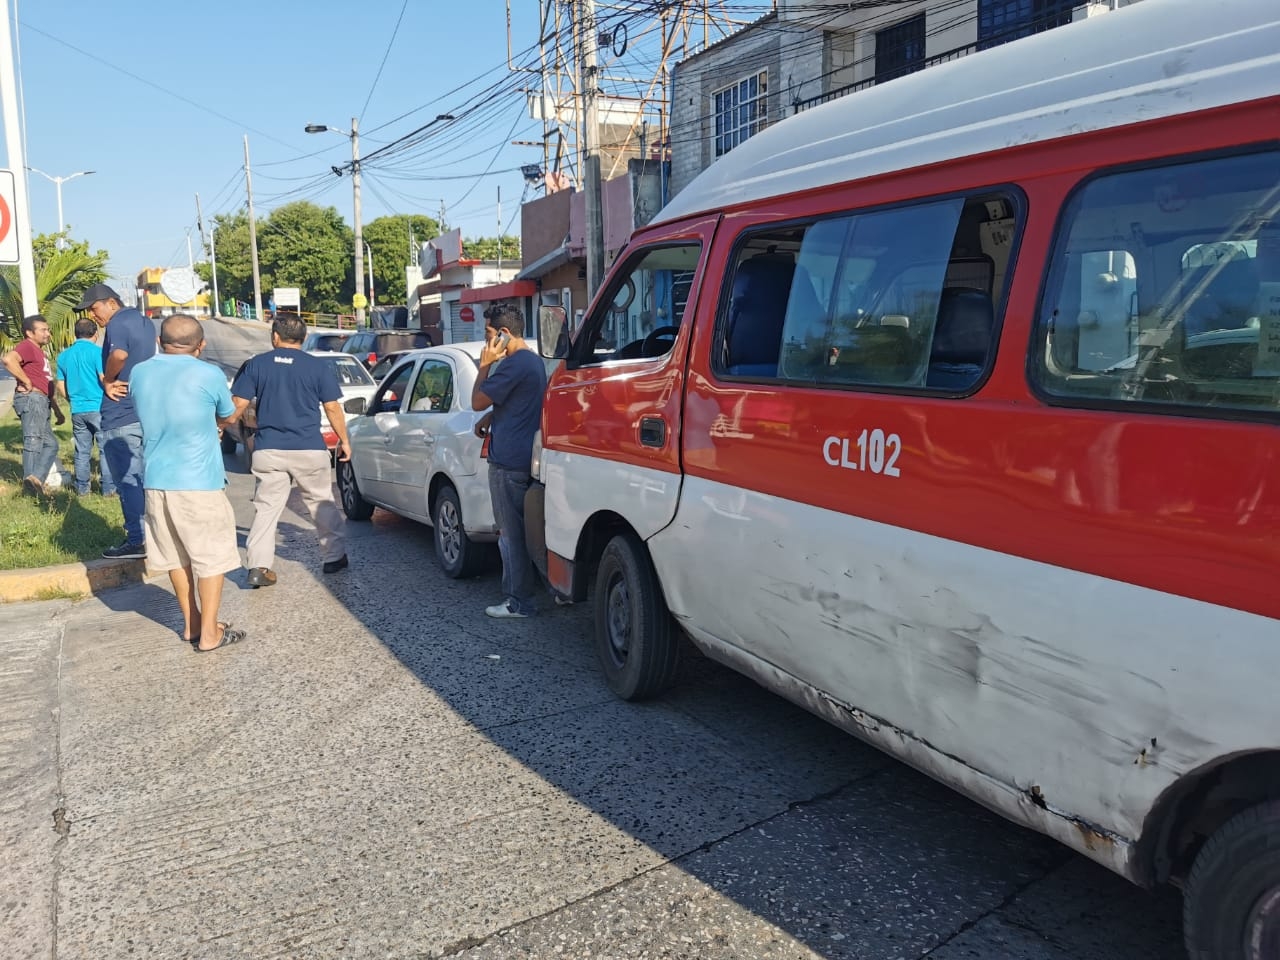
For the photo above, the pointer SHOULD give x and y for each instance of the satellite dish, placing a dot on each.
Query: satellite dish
(180, 284)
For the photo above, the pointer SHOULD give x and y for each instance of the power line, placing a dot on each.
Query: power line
(386, 54)
(155, 86)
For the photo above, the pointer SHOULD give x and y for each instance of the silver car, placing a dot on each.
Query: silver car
(414, 452)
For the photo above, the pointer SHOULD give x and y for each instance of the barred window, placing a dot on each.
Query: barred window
(741, 111)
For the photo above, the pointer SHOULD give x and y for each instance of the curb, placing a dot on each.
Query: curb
(80, 579)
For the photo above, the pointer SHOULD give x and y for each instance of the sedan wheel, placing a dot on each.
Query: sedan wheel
(354, 505)
(458, 556)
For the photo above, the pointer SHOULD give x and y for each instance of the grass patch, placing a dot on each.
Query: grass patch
(59, 528)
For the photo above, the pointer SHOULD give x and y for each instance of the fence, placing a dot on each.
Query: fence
(245, 311)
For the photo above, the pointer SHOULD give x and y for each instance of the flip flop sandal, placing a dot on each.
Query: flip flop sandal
(229, 636)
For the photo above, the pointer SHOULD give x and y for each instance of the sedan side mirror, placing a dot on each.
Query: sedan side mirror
(355, 405)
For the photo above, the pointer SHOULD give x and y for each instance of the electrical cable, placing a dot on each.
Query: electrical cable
(387, 53)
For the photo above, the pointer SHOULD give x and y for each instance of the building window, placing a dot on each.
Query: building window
(1000, 21)
(900, 49)
(741, 111)
(840, 60)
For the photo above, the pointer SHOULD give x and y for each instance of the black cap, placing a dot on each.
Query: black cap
(99, 291)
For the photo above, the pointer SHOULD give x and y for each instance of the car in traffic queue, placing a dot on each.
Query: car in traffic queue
(353, 379)
(385, 364)
(370, 346)
(414, 452)
(331, 340)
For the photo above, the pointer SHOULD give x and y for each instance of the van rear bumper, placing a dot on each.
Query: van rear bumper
(555, 569)
(535, 529)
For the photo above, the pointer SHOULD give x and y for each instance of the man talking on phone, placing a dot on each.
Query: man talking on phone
(514, 389)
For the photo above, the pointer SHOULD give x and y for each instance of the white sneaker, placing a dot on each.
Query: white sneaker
(504, 611)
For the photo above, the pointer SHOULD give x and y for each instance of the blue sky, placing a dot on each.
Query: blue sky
(265, 69)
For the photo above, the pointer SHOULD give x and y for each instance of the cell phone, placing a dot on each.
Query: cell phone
(503, 338)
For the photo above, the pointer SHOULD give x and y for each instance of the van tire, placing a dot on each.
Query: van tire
(354, 505)
(458, 555)
(1231, 902)
(635, 639)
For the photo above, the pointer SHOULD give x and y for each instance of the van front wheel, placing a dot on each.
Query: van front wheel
(635, 640)
(1231, 904)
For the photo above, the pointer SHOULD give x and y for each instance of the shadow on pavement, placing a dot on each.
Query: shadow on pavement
(844, 849)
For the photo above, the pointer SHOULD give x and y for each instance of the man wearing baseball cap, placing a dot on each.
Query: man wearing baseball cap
(128, 339)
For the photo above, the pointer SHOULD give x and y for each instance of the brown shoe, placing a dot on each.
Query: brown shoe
(261, 577)
(33, 485)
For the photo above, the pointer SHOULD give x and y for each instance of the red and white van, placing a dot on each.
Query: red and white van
(951, 411)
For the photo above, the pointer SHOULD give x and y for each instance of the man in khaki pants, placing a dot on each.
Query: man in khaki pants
(291, 386)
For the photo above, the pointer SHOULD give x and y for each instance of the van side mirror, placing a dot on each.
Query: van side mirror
(553, 332)
(355, 405)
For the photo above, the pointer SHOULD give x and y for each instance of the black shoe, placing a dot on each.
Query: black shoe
(333, 566)
(261, 577)
(126, 551)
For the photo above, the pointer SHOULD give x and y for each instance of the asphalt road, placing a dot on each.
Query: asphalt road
(381, 771)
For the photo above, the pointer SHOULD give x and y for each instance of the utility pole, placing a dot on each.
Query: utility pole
(191, 267)
(253, 236)
(355, 189)
(499, 231)
(203, 243)
(216, 306)
(18, 164)
(589, 83)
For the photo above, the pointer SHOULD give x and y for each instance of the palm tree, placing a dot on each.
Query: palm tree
(62, 276)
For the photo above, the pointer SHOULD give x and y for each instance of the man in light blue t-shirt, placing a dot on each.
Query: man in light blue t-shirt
(80, 382)
(182, 403)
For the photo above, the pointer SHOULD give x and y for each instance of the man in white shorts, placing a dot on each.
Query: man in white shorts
(182, 403)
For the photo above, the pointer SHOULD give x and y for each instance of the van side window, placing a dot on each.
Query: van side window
(896, 298)
(1165, 290)
(642, 309)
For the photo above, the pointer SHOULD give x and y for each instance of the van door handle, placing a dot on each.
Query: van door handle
(653, 432)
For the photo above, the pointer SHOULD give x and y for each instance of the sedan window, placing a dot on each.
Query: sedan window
(392, 391)
(433, 391)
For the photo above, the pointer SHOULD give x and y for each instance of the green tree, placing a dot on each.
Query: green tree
(309, 247)
(388, 239)
(235, 264)
(299, 245)
(62, 276)
(486, 248)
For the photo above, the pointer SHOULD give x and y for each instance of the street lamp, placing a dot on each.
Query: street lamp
(58, 182)
(354, 135)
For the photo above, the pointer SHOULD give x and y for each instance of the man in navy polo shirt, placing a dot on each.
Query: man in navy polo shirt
(291, 386)
(129, 339)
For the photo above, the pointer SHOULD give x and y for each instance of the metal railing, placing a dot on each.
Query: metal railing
(947, 55)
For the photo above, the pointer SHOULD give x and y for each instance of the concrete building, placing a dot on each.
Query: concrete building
(806, 52)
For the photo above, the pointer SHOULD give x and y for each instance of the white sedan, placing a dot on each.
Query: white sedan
(414, 452)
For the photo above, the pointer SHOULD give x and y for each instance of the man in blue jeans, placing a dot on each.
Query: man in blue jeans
(514, 389)
(129, 339)
(32, 400)
(80, 382)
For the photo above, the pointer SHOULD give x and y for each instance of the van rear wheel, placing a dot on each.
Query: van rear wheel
(636, 642)
(1231, 903)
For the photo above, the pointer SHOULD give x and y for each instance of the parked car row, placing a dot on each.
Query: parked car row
(414, 452)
